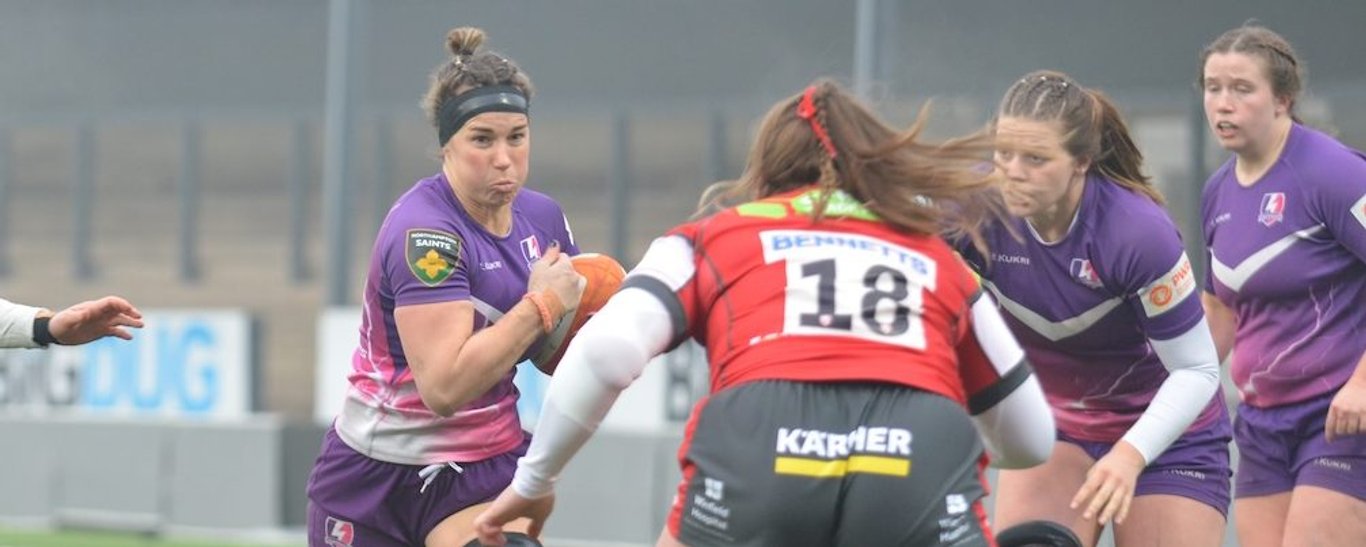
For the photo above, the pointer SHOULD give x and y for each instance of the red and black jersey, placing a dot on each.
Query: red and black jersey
(773, 294)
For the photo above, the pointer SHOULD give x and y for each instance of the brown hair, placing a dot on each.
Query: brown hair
(908, 183)
(469, 68)
(1283, 68)
(1092, 127)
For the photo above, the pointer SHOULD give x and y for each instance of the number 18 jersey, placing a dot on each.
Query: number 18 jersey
(774, 295)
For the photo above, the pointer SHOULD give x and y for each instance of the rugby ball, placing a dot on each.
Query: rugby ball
(603, 276)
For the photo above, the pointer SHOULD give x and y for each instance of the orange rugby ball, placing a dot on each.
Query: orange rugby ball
(603, 275)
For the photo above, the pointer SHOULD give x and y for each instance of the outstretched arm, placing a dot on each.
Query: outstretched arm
(30, 327)
(94, 319)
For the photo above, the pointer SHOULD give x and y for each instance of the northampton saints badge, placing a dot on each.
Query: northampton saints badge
(432, 255)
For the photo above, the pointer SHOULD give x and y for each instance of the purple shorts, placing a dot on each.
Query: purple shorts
(1195, 466)
(1282, 447)
(354, 500)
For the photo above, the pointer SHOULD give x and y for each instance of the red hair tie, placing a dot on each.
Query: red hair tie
(806, 110)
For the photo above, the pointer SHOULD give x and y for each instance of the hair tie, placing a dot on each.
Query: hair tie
(806, 110)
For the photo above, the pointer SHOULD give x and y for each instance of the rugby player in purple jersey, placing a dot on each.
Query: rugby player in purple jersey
(468, 270)
(1096, 285)
(1285, 224)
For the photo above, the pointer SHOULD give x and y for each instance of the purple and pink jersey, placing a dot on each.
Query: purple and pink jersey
(1288, 255)
(430, 250)
(1084, 307)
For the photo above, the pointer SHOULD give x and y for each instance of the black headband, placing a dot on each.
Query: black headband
(457, 110)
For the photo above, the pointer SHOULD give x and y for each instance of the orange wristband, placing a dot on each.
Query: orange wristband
(549, 306)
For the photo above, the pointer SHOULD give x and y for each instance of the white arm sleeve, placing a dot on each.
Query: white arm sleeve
(16, 325)
(606, 355)
(1194, 366)
(1016, 426)
(602, 359)
(1018, 432)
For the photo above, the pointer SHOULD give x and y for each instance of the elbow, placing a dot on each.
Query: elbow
(615, 359)
(444, 404)
(441, 406)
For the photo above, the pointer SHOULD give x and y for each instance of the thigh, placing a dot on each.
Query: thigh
(1265, 440)
(1339, 466)
(1162, 519)
(451, 499)
(458, 529)
(667, 539)
(1260, 520)
(328, 530)
(1319, 516)
(937, 500)
(757, 467)
(1045, 492)
(355, 499)
(1196, 467)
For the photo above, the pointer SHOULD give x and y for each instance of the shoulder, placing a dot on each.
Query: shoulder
(1126, 216)
(1321, 162)
(1135, 239)
(538, 204)
(422, 209)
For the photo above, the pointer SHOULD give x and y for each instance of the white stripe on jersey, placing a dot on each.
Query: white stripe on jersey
(1235, 277)
(1054, 330)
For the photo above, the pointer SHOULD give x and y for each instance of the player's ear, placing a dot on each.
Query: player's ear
(1083, 165)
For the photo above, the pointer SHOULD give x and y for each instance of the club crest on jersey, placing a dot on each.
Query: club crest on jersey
(340, 533)
(1273, 208)
(432, 255)
(1084, 273)
(531, 249)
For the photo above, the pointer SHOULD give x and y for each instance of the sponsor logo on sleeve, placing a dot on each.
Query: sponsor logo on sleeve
(1273, 209)
(432, 255)
(1170, 289)
(1359, 211)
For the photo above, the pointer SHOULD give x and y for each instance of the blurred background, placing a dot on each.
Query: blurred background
(225, 164)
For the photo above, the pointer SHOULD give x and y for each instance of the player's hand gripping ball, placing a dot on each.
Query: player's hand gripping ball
(603, 275)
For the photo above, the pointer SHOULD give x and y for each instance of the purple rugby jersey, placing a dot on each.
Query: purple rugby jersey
(430, 250)
(1288, 255)
(1085, 306)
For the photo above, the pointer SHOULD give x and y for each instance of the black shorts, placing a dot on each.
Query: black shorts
(795, 463)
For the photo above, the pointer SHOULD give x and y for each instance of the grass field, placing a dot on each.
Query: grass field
(27, 538)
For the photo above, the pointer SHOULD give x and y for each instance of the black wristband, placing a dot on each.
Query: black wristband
(41, 334)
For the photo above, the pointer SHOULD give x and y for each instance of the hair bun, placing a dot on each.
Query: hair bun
(464, 40)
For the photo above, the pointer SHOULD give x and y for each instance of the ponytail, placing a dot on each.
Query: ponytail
(1119, 159)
